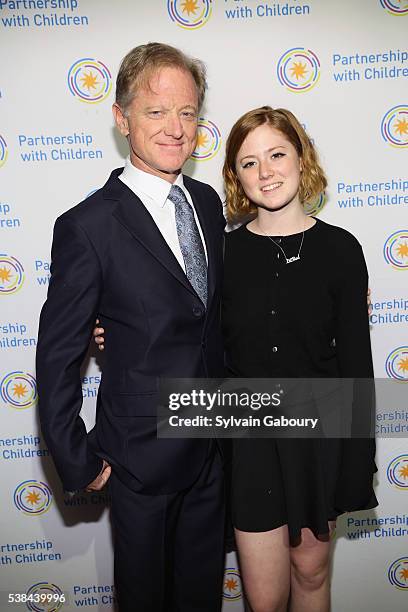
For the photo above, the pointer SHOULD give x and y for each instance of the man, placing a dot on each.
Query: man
(144, 254)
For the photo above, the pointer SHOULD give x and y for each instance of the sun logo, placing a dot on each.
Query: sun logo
(11, 274)
(33, 497)
(3, 151)
(394, 126)
(401, 126)
(397, 472)
(89, 80)
(190, 7)
(398, 573)
(232, 590)
(403, 365)
(45, 597)
(189, 14)
(313, 207)
(298, 69)
(5, 274)
(208, 140)
(396, 364)
(396, 250)
(202, 140)
(395, 7)
(19, 390)
(402, 250)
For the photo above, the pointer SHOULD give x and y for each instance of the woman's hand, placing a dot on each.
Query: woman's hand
(98, 336)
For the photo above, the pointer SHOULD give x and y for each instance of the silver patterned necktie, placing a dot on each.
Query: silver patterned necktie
(191, 245)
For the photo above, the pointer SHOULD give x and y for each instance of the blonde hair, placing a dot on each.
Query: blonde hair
(138, 65)
(312, 181)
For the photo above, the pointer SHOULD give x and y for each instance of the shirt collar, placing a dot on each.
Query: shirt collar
(153, 186)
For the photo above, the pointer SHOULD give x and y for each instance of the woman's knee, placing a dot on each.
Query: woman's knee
(311, 574)
(269, 604)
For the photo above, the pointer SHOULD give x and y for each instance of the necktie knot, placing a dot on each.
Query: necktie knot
(177, 195)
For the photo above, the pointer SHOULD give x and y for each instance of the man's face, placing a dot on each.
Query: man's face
(161, 123)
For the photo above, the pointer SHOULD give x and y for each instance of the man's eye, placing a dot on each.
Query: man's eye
(155, 113)
(189, 114)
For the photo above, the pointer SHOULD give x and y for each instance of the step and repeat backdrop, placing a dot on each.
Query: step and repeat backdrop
(342, 68)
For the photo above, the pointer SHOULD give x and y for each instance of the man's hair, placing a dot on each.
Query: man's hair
(139, 64)
(312, 180)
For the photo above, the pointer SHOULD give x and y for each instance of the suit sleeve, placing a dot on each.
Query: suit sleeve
(354, 490)
(66, 323)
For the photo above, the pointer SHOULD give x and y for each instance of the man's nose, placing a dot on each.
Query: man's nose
(173, 126)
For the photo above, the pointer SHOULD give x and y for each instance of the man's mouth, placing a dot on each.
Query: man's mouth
(171, 144)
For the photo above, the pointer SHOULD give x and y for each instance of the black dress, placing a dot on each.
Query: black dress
(303, 319)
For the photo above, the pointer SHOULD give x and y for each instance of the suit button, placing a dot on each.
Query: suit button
(198, 312)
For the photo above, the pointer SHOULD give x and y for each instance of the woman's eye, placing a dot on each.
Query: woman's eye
(277, 155)
(248, 164)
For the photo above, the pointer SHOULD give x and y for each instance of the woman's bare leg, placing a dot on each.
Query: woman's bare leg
(265, 568)
(310, 574)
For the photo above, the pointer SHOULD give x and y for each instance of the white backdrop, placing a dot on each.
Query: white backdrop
(342, 68)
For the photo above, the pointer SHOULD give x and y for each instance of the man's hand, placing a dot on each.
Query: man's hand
(102, 478)
(98, 336)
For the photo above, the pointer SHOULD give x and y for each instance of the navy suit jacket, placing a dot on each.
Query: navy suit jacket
(110, 260)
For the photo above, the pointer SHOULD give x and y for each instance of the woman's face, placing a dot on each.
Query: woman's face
(268, 168)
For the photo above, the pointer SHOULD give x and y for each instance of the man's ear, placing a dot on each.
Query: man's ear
(120, 119)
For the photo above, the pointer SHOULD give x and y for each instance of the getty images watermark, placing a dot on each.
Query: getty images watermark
(220, 400)
(265, 408)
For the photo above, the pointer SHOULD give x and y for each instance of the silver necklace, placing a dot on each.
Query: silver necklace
(288, 259)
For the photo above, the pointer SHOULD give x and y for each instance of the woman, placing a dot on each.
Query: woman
(294, 306)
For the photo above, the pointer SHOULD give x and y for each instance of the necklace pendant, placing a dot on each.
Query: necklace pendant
(292, 259)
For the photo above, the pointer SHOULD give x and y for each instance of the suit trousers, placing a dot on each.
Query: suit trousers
(169, 549)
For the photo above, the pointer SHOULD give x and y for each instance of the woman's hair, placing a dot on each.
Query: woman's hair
(312, 180)
(140, 63)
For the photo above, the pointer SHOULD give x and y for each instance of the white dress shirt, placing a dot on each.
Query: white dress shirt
(153, 191)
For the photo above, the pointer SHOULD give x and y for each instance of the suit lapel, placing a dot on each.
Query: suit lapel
(133, 215)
